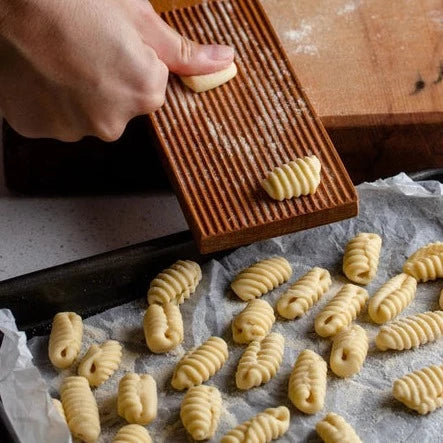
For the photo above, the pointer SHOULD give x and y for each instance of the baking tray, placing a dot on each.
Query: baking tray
(92, 285)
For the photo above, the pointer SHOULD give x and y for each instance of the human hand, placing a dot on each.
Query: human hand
(86, 67)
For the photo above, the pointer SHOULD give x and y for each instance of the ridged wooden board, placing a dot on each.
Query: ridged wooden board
(219, 145)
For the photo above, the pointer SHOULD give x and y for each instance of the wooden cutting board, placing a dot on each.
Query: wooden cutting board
(373, 72)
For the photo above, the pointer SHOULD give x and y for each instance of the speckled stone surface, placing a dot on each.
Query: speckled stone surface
(37, 233)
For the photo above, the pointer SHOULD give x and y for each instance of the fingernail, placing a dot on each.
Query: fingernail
(220, 52)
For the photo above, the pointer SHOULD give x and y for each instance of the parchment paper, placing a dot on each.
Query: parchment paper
(407, 215)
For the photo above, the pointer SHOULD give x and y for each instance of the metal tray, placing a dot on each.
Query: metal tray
(98, 283)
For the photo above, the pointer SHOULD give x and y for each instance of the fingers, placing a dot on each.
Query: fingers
(182, 55)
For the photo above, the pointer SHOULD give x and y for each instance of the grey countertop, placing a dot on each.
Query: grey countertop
(37, 232)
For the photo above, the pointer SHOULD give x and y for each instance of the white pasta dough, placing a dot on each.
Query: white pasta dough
(334, 429)
(80, 408)
(341, 310)
(200, 411)
(421, 390)
(132, 434)
(260, 361)
(304, 293)
(263, 428)
(307, 383)
(66, 339)
(137, 398)
(202, 83)
(254, 322)
(163, 327)
(362, 254)
(175, 284)
(261, 277)
(293, 179)
(199, 364)
(392, 298)
(100, 362)
(349, 350)
(427, 263)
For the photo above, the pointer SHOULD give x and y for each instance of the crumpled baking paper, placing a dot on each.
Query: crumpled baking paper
(24, 392)
(406, 214)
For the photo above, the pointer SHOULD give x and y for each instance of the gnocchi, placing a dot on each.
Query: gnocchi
(360, 261)
(304, 293)
(163, 327)
(254, 322)
(261, 277)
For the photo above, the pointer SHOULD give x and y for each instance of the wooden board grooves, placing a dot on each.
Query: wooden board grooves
(219, 145)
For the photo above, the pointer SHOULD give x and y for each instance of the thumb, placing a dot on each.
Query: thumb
(183, 56)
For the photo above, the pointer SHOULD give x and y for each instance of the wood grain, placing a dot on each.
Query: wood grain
(219, 145)
(366, 62)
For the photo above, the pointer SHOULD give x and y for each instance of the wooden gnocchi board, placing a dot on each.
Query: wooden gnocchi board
(219, 145)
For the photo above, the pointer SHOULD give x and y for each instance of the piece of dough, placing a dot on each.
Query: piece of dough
(200, 411)
(421, 390)
(293, 179)
(427, 263)
(199, 364)
(304, 293)
(410, 332)
(58, 405)
(441, 299)
(132, 434)
(254, 322)
(360, 261)
(392, 298)
(163, 327)
(335, 429)
(266, 426)
(80, 408)
(349, 350)
(307, 383)
(202, 83)
(261, 277)
(339, 313)
(175, 284)
(100, 362)
(260, 361)
(65, 340)
(137, 398)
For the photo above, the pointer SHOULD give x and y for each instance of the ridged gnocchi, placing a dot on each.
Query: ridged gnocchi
(100, 362)
(175, 284)
(304, 293)
(307, 383)
(199, 364)
(254, 322)
(293, 179)
(260, 361)
(341, 310)
(335, 429)
(421, 390)
(163, 327)
(362, 254)
(132, 434)
(349, 350)
(137, 398)
(392, 298)
(266, 426)
(80, 408)
(65, 339)
(261, 277)
(427, 263)
(200, 411)
(410, 332)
